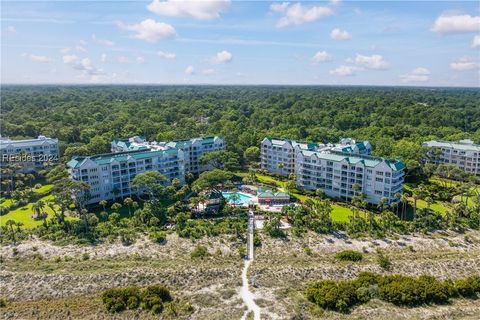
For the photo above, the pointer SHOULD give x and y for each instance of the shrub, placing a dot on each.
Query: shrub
(242, 251)
(402, 290)
(331, 295)
(256, 241)
(150, 298)
(85, 256)
(468, 287)
(158, 290)
(383, 261)
(3, 302)
(199, 252)
(157, 308)
(397, 289)
(349, 255)
(118, 299)
(158, 236)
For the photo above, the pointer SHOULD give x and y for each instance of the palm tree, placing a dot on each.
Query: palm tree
(11, 223)
(37, 208)
(128, 202)
(116, 206)
(103, 203)
(404, 201)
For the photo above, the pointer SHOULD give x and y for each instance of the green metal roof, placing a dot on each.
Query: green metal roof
(269, 194)
(368, 161)
(120, 157)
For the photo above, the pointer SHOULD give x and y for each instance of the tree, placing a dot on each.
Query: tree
(211, 180)
(103, 203)
(221, 159)
(252, 154)
(116, 207)
(38, 208)
(152, 182)
(128, 202)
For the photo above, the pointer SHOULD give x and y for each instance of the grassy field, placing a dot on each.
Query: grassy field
(339, 213)
(46, 188)
(24, 214)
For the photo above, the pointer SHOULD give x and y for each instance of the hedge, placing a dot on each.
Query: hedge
(397, 289)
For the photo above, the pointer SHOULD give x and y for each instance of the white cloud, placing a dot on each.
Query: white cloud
(84, 65)
(200, 10)
(70, 59)
(338, 34)
(208, 72)
(476, 41)
(297, 14)
(140, 60)
(221, 57)
(103, 57)
(419, 74)
(123, 59)
(166, 55)
(150, 30)
(81, 49)
(11, 29)
(446, 24)
(37, 58)
(65, 50)
(103, 42)
(465, 64)
(321, 56)
(344, 71)
(335, 2)
(375, 61)
(83, 42)
(189, 70)
(279, 7)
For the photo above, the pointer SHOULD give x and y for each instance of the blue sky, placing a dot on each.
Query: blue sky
(426, 43)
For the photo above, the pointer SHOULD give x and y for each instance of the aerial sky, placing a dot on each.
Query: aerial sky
(412, 43)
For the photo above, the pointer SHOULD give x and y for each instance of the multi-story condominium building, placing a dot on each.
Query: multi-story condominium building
(193, 149)
(136, 143)
(463, 154)
(278, 155)
(343, 176)
(336, 169)
(30, 154)
(110, 175)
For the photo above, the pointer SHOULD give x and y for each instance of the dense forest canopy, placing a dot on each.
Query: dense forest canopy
(394, 119)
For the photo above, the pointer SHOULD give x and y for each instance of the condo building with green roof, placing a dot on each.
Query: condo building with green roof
(193, 148)
(463, 154)
(340, 170)
(344, 176)
(110, 175)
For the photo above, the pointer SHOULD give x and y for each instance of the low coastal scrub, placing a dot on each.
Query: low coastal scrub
(397, 289)
(349, 255)
(151, 298)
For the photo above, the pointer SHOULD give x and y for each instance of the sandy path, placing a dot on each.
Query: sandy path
(245, 293)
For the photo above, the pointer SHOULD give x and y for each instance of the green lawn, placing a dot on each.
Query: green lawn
(437, 206)
(44, 189)
(5, 202)
(339, 213)
(24, 214)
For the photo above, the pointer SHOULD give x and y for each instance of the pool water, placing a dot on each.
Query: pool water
(237, 198)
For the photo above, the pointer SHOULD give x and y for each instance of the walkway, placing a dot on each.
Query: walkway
(247, 295)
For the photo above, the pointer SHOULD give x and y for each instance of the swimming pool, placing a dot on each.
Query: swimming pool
(237, 198)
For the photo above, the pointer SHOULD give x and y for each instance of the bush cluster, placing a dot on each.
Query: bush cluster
(349, 255)
(397, 289)
(199, 252)
(150, 298)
